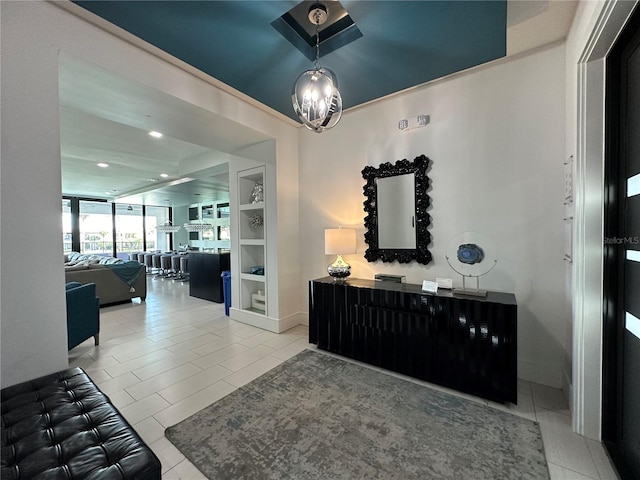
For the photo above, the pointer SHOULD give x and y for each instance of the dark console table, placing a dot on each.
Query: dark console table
(205, 270)
(462, 342)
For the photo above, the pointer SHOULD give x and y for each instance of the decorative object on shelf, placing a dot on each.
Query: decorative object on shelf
(256, 270)
(316, 99)
(256, 222)
(387, 277)
(419, 121)
(470, 253)
(392, 217)
(167, 227)
(429, 286)
(257, 194)
(467, 255)
(258, 301)
(339, 241)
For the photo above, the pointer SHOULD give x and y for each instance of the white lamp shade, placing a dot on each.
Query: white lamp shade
(339, 241)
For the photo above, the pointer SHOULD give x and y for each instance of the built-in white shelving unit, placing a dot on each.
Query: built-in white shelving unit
(216, 214)
(252, 242)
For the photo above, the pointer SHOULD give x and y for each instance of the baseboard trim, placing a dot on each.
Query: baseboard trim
(255, 319)
(293, 320)
(268, 323)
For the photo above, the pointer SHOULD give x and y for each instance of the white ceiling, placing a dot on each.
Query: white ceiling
(106, 118)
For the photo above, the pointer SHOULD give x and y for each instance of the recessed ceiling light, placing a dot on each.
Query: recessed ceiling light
(164, 175)
(155, 134)
(102, 165)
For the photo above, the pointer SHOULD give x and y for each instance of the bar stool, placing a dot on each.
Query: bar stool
(155, 263)
(184, 268)
(175, 265)
(141, 257)
(148, 262)
(165, 265)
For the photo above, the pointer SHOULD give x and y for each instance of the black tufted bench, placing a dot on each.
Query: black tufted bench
(61, 426)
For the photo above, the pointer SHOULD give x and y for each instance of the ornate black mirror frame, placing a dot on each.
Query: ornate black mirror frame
(421, 253)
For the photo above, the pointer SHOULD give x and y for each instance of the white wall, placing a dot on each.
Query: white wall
(33, 316)
(33, 34)
(497, 143)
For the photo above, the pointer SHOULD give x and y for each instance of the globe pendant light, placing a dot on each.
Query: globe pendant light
(316, 99)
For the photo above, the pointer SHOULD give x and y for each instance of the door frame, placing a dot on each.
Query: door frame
(587, 268)
(614, 255)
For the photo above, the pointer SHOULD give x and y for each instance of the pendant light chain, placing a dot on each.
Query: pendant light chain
(315, 96)
(317, 62)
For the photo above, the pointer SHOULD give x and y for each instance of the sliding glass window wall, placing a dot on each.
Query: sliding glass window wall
(113, 229)
(129, 230)
(96, 228)
(156, 240)
(67, 232)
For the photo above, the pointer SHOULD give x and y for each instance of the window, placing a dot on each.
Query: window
(129, 230)
(96, 228)
(223, 210)
(67, 234)
(208, 217)
(157, 240)
(108, 229)
(224, 233)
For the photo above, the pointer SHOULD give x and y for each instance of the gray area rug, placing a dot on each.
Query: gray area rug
(320, 417)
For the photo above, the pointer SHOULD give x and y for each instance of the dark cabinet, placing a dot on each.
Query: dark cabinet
(205, 275)
(465, 343)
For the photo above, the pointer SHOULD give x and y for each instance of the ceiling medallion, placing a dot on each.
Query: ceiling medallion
(316, 99)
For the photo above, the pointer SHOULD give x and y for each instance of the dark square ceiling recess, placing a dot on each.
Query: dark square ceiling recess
(336, 32)
(403, 43)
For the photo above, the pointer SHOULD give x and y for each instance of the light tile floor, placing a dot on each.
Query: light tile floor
(162, 360)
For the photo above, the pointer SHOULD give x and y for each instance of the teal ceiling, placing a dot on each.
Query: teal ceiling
(403, 43)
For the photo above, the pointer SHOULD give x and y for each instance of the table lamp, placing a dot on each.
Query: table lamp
(339, 241)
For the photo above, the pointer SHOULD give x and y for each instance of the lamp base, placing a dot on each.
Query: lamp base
(339, 270)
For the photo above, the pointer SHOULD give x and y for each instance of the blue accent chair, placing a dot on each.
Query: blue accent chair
(83, 313)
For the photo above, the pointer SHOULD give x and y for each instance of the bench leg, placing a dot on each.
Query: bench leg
(96, 338)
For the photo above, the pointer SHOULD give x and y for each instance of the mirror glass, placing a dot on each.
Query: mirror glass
(396, 207)
(396, 211)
